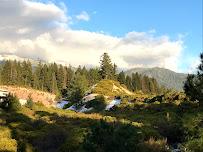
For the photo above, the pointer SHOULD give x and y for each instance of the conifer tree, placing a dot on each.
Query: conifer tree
(78, 86)
(129, 83)
(94, 76)
(54, 87)
(106, 67)
(60, 77)
(145, 84)
(121, 77)
(6, 73)
(194, 84)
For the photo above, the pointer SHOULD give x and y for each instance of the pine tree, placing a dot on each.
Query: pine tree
(129, 83)
(6, 73)
(106, 67)
(121, 77)
(138, 81)
(77, 88)
(114, 75)
(60, 77)
(134, 82)
(54, 87)
(70, 75)
(38, 77)
(194, 85)
(145, 84)
(93, 76)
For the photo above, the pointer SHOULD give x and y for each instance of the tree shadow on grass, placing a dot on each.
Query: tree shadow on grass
(51, 132)
(45, 135)
(164, 118)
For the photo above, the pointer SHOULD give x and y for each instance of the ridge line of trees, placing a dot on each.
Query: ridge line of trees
(64, 81)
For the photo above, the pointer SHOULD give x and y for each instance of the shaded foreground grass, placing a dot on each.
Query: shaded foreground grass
(149, 127)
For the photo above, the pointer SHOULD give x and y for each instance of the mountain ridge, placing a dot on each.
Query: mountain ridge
(165, 77)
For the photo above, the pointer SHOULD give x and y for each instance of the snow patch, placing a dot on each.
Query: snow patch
(89, 97)
(61, 104)
(113, 103)
(73, 108)
(84, 109)
(22, 101)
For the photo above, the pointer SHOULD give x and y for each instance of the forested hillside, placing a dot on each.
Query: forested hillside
(61, 80)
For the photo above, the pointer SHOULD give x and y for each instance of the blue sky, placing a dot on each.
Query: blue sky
(135, 33)
(166, 17)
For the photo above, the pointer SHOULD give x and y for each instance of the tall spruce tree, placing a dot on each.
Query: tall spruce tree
(194, 84)
(106, 67)
(129, 83)
(78, 86)
(121, 77)
(54, 87)
(94, 76)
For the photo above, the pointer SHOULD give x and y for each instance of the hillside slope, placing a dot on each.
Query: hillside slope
(164, 77)
(45, 98)
(110, 88)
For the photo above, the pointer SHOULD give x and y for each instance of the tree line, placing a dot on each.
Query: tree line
(66, 81)
(194, 84)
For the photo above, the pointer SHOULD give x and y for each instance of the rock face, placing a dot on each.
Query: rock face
(45, 98)
(164, 77)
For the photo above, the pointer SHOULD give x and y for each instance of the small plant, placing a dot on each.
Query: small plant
(29, 103)
(12, 103)
(153, 145)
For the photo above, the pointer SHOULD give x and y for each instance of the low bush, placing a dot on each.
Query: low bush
(153, 145)
(112, 137)
(11, 103)
(8, 145)
(14, 104)
(98, 103)
(29, 103)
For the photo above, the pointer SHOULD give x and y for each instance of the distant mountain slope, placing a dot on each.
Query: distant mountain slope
(164, 77)
(4, 57)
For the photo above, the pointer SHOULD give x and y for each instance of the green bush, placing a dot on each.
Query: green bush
(173, 131)
(8, 145)
(29, 103)
(98, 103)
(12, 103)
(112, 137)
(153, 145)
(195, 145)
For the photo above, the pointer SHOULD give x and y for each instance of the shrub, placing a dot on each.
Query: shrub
(29, 103)
(98, 103)
(9, 145)
(153, 145)
(112, 137)
(12, 103)
(50, 139)
(6, 143)
(173, 131)
(195, 145)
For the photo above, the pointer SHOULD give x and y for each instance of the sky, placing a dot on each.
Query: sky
(135, 33)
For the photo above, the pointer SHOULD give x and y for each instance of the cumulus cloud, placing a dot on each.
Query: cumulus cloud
(40, 30)
(84, 16)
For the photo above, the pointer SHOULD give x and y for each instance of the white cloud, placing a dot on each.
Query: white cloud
(39, 30)
(84, 16)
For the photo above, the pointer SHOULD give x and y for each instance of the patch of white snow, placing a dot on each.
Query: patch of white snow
(61, 104)
(113, 103)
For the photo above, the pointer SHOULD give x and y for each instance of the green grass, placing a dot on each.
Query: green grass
(158, 126)
(109, 88)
